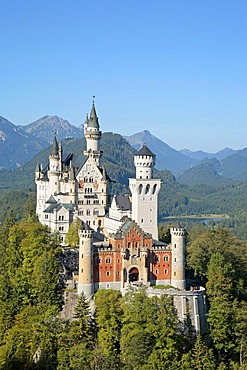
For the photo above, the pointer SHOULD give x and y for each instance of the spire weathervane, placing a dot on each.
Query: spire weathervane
(93, 98)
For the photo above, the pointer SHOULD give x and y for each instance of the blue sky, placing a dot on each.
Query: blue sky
(177, 68)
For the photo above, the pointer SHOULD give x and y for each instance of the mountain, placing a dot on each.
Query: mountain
(207, 172)
(213, 171)
(199, 155)
(45, 127)
(16, 145)
(166, 157)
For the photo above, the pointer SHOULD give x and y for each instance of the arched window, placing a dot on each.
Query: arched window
(147, 189)
(154, 188)
(88, 212)
(140, 187)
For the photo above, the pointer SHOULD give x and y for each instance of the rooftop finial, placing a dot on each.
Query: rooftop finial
(93, 98)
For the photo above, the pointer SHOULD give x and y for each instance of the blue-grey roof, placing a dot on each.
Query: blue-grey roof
(145, 151)
(123, 202)
(93, 119)
(51, 200)
(54, 148)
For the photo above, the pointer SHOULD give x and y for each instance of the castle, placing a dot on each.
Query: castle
(118, 243)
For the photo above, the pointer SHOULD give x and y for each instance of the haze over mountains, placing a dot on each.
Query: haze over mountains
(18, 144)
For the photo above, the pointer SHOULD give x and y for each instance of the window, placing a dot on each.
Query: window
(118, 260)
(46, 217)
(98, 260)
(156, 258)
(108, 260)
(140, 187)
(175, 273)
(175, 246)
(88, 212)
(108, 273)
(175, 260)
(81, 270)
(166, 258)
(156, 271)
(165, 272)
(82, 256)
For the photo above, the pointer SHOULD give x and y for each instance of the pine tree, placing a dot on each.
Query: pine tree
(220, 316)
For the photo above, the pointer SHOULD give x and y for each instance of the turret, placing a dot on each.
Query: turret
(37, 172)
(178, 256)
(85, 283)
(144, 162)
(72, 184)
(54, 167)
(60, 150)
(92, 135)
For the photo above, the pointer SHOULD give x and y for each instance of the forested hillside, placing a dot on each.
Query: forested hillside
(123, 333)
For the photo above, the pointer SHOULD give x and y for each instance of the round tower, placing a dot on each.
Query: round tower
(72, 184)
(54, 167)
(144, 162)
(145, 190)
(178, 256)
(92, 135)
(85, 283)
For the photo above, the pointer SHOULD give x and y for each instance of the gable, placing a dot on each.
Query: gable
(89, 172)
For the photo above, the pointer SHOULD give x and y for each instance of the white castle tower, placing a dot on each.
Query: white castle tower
(85, 283)
(92, 135)
(91, 178)
(145, 190)
(54, 167)
(178, 256)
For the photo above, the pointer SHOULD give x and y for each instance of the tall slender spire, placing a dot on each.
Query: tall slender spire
(93, 120)
(92, 135)
(54, 148)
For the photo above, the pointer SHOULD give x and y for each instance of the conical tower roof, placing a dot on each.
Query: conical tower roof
(145, 151)
(54, 148)
(93, 120)
(86, 120)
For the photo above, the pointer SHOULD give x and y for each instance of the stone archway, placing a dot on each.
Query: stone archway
(133, 274)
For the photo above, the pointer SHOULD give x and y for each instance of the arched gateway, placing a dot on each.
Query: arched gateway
(133, 274)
